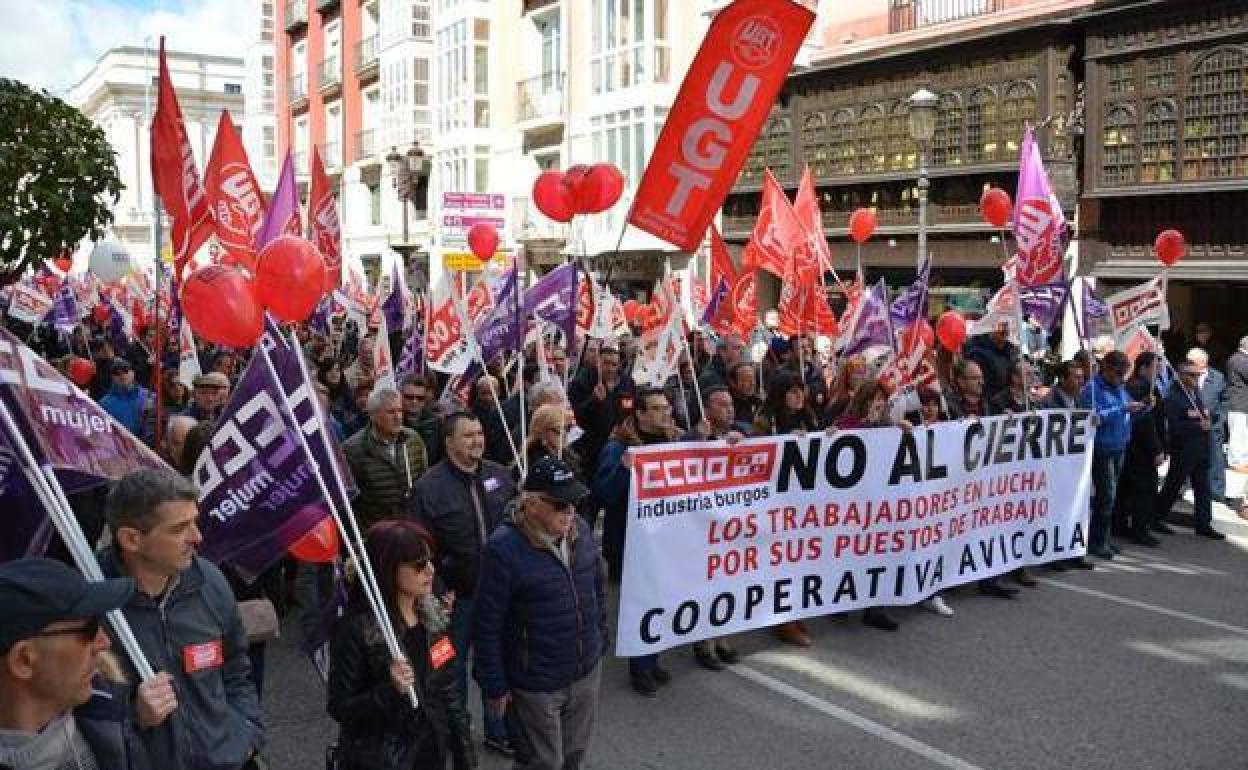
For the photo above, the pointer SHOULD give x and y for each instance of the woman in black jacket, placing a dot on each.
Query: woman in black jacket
(379, 729)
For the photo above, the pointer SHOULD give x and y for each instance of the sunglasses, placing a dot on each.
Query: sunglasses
(87, 631)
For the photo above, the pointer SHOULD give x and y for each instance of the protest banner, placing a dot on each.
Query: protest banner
(28, 304)
(1139, 306)
(722, 539)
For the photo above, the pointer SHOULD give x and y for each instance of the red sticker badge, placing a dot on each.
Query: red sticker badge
(197, 657)
(441, 652)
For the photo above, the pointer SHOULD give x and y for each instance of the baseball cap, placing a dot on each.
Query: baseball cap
(121, 365)
(551, 476)
(212, 380)
(35, 593)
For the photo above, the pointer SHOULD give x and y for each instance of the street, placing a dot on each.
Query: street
(1141, 664)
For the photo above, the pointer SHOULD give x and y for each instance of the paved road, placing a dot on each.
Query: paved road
(1140, 665)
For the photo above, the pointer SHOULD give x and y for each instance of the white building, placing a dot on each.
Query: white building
(119, 95)
(259, 94)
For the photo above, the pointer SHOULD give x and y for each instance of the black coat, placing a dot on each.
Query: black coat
(1237, 382)
(378, 728)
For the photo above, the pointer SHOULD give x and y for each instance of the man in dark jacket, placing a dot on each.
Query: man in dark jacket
(995, 354)
(730, 352)
(386, 459)
(1212, 388)
(200, 711)
(601, 396)
(55, 709)
(461, 501)
(1137, 485)
(540, 621)
(420, 415)
(1237, 407)
(1189, 424)
(743, 384)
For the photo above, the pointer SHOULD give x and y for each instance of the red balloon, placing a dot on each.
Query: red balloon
(951, 330)
(290, 278)
(601, 188)
(220, 302)
(63, 263)
(551, 196)
(81, 371)
(319, 546)
(483, 240)
(1170, 247)
(862, 224)
(995, 206)
(631, 310)
(574, 182)
(101, 313)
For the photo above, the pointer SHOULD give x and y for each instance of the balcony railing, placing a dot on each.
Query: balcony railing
(905, 15)
(540, 97)
(329, 74)
(297, 92)
(296, 15)
(331, 155)
(365, 145)
(366, 57)
(967, 214)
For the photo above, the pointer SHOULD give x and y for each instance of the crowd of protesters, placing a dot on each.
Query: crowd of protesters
(495, 513)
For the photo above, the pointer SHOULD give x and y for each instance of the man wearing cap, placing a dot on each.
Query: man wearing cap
(209, 393)
(126, 400)
(56, 711)
(200, 711)
(539, 622)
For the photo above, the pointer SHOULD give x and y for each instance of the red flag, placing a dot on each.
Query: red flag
(777, 231)
(323, 226)
(806, 208)
(175, 176)
(234, 195)
(718, 113)
(721, 261)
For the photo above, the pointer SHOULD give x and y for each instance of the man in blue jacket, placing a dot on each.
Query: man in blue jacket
(1113, 411)
(539, 622)
(1189, 425)
(126, 402)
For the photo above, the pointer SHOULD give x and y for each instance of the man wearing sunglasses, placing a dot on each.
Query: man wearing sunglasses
(55, 711)
(539, 624)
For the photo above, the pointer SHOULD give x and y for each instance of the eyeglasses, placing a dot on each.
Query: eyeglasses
(558, 505)
(414, 396)
(87, 631)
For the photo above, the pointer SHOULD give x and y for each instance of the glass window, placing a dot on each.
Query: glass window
(481, 71)
(481, 30)
(660, 19)
(1215, 132)
(481, 114)
(1118, 147)
(481, 175)
(374, 204)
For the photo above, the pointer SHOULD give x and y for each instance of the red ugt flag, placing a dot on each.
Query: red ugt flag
(324, 228)
(234, 195)
(175, 176)
(722, 103)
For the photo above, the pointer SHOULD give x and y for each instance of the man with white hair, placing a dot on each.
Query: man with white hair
(1212, 388)
(386, 459)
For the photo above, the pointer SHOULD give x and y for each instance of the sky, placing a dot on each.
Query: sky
(52, 44)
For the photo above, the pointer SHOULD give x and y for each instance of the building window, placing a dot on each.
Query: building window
(815, 142)
(902, 153)
(1120, 79)
(420, 20)
(619, 37)
(1215, 135)
(872, 143)
(981, 126)
(947, 141)
(1018, 106)
(269, 147)
(1159, 143)
(481, 169)
(233, 88)
(1118, 145)
(374, 205)
(841, 142)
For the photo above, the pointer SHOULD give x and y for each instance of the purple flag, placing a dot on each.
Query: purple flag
(64, 428)
(319, 321)
(257, 490)
(64, 315)
(501, 328)
(1038, 221)
(1044, 303)
(120, 326)
(908, 306)
(316, 643)
(717, 298)
(1093, 306)
(392, 306)
(553, 299)
(869, 325)
(412, 357)
(282, 217)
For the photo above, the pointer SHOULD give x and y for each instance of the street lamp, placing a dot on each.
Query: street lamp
(923, 107)
(410, 172)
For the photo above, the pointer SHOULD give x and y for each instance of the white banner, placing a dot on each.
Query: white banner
(28, 304)
(1139, 306)
(722, 539)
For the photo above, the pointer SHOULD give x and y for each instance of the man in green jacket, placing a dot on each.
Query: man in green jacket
(385, 457)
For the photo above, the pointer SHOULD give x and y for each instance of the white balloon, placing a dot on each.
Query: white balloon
(110, 261)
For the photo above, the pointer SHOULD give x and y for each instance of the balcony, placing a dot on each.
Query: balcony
(296, 16)
(940, 217)
(331, 156)
(366, 146)
(540, 99)
(366, 59)
(297, 93)
(907, 15)
(329, 75)
(536, 5)
(325, 6)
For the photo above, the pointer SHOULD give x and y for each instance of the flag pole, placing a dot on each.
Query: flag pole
(43, 481)
(368, 578)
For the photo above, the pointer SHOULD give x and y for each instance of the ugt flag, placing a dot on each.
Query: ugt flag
(1039, 223)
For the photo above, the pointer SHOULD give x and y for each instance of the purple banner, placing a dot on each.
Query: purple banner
(553, 299)
(908, 305)
(1044, 303)
(870, 324)
(64, 315)
(258, 492)
(392, 306)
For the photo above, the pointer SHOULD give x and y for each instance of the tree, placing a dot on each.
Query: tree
(58, 179)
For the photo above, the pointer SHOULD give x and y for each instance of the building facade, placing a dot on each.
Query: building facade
(119, 95)
(260, 92)
(1140, 109)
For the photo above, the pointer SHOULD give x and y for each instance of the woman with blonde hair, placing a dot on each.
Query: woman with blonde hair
(548, 437)
(850, 376)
